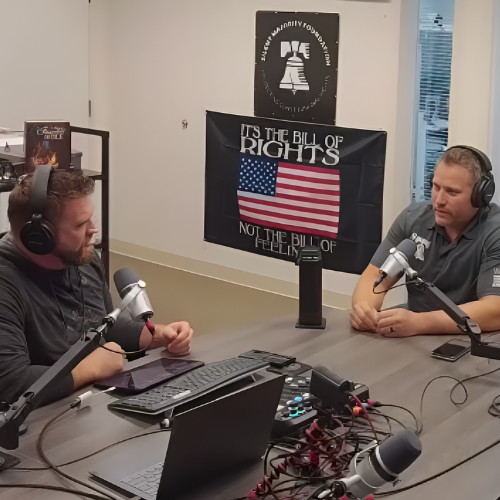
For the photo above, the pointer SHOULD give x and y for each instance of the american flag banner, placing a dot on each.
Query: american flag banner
(292, 197)
(272, 187)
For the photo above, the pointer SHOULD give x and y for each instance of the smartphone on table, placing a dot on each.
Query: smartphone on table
(451, 350)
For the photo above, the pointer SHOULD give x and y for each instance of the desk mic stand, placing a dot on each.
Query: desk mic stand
(463, 321)
(310, 288)
(42, 388)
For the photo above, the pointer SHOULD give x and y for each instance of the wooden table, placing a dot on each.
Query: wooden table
(395, 370)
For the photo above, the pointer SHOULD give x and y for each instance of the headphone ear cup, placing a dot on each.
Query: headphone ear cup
(476, 199)
(38, 236)
(487, 190)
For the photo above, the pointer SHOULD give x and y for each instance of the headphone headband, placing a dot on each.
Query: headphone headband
(39, 189)
(482, 192)
(484, 161)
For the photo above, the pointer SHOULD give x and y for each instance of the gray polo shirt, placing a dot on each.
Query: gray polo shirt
(465, 269)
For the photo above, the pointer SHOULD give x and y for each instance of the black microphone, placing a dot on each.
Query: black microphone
(382, 465)
(127, 281)
(397, 262)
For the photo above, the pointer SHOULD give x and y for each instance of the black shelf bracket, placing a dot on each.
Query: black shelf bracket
(102, 176)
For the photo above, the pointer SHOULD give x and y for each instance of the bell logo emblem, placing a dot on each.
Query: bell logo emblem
(294, 78)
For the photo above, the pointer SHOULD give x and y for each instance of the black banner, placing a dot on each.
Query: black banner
(273, 186)
(296, 60)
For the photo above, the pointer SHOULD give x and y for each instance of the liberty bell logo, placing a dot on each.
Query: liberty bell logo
(294, 78)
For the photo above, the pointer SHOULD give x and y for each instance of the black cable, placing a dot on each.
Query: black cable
(298, 492)
(466, 380)
(315, 492)
(55, 488)
(377, 412)
(493, 405)
(420, 424)
(53, 466)
(26, 469)
(412, 282)
(395, 420)
(403, 408)
(435, 476)
(494, 410)
(144, 349)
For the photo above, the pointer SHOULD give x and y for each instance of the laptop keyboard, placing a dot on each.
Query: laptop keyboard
(190, 385)
(146, 480)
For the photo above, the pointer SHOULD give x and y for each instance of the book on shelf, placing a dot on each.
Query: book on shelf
(47, 142)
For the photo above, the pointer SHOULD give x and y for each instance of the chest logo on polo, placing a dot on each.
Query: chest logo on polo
(496, 277)
(422, 244)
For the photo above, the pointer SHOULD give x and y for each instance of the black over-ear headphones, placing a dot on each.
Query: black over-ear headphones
(482, 192)
(38, 235)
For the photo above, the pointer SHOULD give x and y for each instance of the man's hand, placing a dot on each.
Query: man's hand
(176, 337)
(399, 323)
(364, 317)
(98, 365)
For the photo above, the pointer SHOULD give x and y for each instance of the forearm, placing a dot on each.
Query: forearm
(83, 374)
(485, 312)
(364, 288)
(146, 340)
(102, 363)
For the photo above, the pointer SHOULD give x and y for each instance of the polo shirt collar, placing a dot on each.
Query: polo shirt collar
(470, 230)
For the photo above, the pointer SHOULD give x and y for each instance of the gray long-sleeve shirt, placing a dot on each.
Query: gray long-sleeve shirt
(43, 313)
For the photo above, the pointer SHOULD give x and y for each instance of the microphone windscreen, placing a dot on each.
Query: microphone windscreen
(407, 248)
(124, 277)
(399, 451)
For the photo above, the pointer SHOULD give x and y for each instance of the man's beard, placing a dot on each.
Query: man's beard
(81, 257)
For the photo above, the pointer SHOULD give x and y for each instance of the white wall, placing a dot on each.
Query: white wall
(155, 63)
(45, 67)
(495, 99)
(472, 71)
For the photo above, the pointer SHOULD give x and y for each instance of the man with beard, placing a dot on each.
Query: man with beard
(458, 249)
(48, 300)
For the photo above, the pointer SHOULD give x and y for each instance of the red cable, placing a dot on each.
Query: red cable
(360, 404)
(150, 327)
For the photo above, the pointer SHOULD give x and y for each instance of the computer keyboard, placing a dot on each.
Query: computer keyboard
(190, 385)
(146, 480)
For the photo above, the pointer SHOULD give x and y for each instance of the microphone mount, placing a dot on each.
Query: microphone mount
(462, 319)
(39, 391)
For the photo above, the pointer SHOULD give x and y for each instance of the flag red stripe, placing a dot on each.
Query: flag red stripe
(288, 206)
(308, 200)
(305, 189)
(300, 178)
(278, 215)
(303, 168)
(286, 227)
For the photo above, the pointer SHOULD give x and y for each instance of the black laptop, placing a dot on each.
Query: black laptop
(207, 442)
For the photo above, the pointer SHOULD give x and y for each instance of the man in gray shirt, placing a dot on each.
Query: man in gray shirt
(48, 300)
(458, 249)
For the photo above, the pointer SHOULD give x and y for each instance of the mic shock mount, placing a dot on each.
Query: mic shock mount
(41, 389)
(34, 396)
(462, 319)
